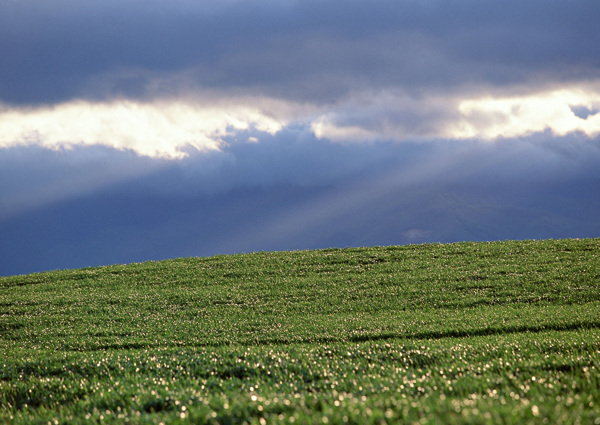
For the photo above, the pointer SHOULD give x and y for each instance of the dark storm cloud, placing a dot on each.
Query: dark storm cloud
(32, 176)
(312, 50)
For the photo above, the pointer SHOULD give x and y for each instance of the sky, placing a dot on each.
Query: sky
(144, 130)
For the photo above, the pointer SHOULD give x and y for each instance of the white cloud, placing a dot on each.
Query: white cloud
(397, 116)
(491, 118)
(325, 127)
(171, 129)
(160, 129)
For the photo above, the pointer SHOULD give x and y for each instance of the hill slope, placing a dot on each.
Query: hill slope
(420, 332)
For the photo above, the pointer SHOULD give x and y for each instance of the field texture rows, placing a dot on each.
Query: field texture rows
(502, 332)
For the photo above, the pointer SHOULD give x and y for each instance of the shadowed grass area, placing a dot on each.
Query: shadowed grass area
(440, 333)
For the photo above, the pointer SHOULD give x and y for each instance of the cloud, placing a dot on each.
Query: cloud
(172, 129)
(302, 51)
(163, 129)
(490, 118)
(164, 80)
(93, 205)
(32, 177)
(386, 115)
(398, 116)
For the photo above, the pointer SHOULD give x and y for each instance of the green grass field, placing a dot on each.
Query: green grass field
(502, 332)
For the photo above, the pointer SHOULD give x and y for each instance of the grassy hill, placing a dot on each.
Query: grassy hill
(502, 332)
